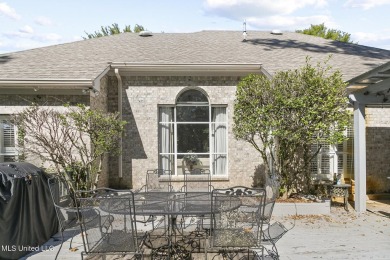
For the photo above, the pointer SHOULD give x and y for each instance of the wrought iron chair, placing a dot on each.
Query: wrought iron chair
(237, 221)
(272, 231)
(198, 180)
(65, 207)
(271, 235)
(65, 204)
(272, 193)
(107, 223)
(157, 180)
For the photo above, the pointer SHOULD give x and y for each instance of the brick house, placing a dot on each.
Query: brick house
(176, 91)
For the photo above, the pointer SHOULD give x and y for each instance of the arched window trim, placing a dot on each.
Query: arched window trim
(180, 94)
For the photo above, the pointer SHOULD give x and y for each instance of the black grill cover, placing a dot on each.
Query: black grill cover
(27, 214)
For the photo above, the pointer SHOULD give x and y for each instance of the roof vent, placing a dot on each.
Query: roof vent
(244, 34)
(145, 33)
(276, 32)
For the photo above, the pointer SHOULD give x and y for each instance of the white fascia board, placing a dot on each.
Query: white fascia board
(96, 81)
(47, 83)
(186, 68)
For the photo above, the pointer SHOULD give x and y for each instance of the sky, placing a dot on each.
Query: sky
(37, 23)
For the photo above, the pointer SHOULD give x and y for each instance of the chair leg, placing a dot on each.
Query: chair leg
(62, 242)
(71, 240)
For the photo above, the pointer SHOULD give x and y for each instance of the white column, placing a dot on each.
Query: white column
(359, 126)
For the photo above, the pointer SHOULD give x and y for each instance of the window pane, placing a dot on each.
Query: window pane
(8, 133)
(8, 151)
(203, 162)
(219, 140)
(218, 114)
(166, 161)
(192, 113)
(166, 114)
(166, 138)
(192, 96)
(219, 164)
(193, 137)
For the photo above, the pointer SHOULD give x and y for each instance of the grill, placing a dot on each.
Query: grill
(26, 209)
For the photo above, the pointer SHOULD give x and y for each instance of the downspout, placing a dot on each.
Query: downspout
(120, 170)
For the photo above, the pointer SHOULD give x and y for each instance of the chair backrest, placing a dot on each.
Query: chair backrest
(158, 180)
(237, 218)
(197, 180)
(107, 222)
(64, 202)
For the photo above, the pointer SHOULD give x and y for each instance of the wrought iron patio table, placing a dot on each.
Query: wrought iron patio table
(171, 205)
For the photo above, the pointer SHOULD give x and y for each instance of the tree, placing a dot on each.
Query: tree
(282, 116)
(113, 29)
(73, 140)
(320, 30)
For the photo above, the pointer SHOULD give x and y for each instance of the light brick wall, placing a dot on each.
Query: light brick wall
(378, 149)
(113, 161)
(18, 100)
(16, 103)
(99, 102)
(141, 98)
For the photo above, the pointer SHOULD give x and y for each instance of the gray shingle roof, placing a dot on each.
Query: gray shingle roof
(86, 59)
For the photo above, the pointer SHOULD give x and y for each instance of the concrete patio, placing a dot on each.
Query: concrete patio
(340, 235)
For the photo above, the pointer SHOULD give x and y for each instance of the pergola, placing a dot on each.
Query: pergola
(370, 88)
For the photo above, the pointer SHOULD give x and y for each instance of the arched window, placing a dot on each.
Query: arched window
(192, 134)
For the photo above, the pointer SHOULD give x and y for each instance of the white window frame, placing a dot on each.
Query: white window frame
(334, 156)
(210, 122)
(8, 151)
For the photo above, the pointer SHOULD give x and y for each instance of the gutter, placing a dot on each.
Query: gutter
(47, 83)
(118, 76)
(188, 68)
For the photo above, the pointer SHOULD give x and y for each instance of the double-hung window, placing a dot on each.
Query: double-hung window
(193, 128)
(8, 152)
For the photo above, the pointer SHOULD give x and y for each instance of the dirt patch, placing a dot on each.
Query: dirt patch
(300, 198)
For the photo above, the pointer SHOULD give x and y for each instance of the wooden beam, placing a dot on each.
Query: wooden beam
(371, 98)
(384, 85)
